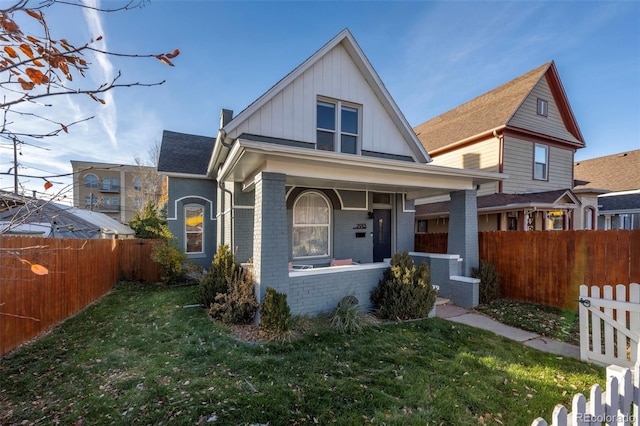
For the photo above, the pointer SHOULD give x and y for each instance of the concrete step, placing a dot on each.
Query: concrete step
(442, 301)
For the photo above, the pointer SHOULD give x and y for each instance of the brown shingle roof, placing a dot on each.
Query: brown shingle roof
(617, 172)
(486, 112)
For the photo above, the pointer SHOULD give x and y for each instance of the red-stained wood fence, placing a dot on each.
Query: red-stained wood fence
(548, 267)
(79, 272)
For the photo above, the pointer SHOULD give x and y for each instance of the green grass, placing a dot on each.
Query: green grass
(549, 321)
(138, 356)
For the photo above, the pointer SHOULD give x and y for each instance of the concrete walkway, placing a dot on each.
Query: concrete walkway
(533, 340)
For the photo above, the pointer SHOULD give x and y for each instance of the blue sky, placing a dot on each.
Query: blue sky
(431, 55)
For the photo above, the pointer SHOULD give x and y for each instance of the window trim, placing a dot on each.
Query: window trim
(186, 232)
(545, 176)
(337, 132)
(328, 225)
(542, 107)
(97, 181)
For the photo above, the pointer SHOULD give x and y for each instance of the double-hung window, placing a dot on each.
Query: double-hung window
(541, 162)
(193, 227)
(337, 127)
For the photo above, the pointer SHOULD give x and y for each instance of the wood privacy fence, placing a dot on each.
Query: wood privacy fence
(548, 267)
(77, 273)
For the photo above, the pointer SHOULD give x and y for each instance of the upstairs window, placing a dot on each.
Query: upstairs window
(337, 127)
(541, 162)
(137, 184)
(111, 184)
(91, 181)
(543, 107)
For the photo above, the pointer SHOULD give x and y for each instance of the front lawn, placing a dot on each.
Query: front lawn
(139, 356)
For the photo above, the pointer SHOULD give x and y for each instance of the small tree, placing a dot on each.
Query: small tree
(405, 292)
(150, 223)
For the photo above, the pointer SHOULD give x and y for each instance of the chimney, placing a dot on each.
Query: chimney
(226, 115)
(34, 194)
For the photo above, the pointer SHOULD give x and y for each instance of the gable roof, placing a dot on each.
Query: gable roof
(346, 39)
(493, 111)
(496, 202)
(616, 172)
(182, 153)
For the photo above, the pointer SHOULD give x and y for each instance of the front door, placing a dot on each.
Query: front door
(381, 235)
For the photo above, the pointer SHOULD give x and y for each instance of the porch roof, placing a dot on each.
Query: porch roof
(310, 167)
(561, 199)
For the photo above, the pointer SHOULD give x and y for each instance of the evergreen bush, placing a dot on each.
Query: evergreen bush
(275, 315)
(405, 292)
(239, 304)
(217, 279)
(489, 282)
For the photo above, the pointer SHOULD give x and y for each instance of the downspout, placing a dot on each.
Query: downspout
(222, 187)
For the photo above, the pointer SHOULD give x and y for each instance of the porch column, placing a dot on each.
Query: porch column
(270, 244)
(463, 229)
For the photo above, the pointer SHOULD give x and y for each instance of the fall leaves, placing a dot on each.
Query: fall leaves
(44, 61)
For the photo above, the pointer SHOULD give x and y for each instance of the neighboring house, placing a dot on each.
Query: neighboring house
(322, 166)
(21, 215)
(524, 129)
(615, 181)
(116, 190)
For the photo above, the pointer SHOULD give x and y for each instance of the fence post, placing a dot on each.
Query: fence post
(583, 315)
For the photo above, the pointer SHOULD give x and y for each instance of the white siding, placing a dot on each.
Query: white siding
(483, 155)
(291, 113)
(518, 164)
(527, 115)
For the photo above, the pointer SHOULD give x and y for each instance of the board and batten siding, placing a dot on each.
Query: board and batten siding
(483, 155)
(526, 117)
(291, 113)
(518, 165)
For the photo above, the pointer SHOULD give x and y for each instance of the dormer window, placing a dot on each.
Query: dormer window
(543, 107)
(337, 127)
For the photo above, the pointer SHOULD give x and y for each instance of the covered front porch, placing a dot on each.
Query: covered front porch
(312, 207)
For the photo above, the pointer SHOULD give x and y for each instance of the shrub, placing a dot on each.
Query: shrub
(239, 304)
(489, 282)
(348, 318)
(170, 260)
(217, 280)
(275, 315)
(405, 292)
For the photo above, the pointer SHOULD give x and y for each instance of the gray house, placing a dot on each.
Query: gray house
(321, 167)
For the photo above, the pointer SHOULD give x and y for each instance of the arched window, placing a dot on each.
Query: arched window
(91, 181)
(311, 225)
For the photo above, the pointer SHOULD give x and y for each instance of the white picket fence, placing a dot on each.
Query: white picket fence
(610, 324)
(617, 405)
(609, 334)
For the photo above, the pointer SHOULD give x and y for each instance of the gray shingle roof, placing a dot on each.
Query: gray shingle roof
(619, 202)
(185, 153)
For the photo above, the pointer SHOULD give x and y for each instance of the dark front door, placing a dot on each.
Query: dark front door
(381, 235)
